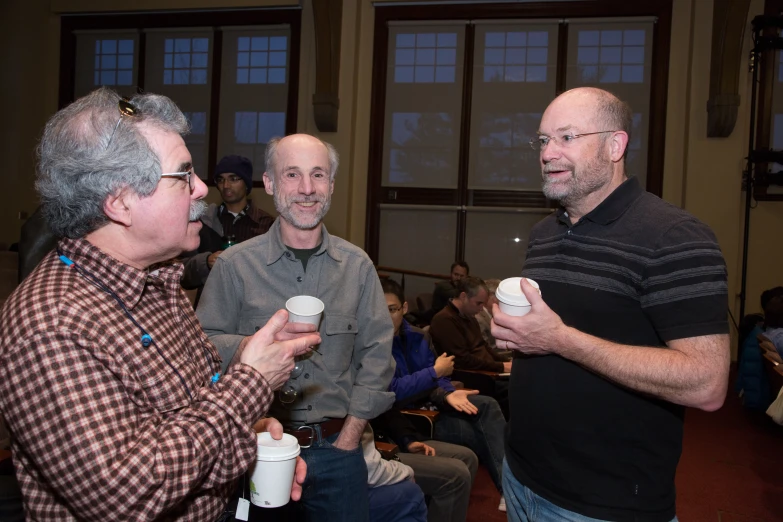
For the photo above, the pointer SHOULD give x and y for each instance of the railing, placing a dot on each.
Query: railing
(405, 272)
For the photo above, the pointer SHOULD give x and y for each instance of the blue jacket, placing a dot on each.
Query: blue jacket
(415, 373)
(751, 379)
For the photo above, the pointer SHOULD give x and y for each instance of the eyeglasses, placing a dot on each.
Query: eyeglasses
(227, 179)
(189, 177)
(289, 392)
(540, 142)
(127, 109)
(394, 309)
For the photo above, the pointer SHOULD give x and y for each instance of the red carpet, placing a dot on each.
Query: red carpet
(731, 470)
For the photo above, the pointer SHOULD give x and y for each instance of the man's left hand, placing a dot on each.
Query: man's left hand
(538, 332)
(275, 429)
(420, 447)
(459, 401)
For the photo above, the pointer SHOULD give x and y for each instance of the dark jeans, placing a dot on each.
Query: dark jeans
(401, 502)
(335, 489)
(482, 432)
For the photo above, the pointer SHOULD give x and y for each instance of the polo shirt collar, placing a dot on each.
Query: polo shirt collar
(277, 248)
(612, 207)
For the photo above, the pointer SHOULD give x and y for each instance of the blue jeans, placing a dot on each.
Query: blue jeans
(482, 432)
(522, 505)
(401, 502)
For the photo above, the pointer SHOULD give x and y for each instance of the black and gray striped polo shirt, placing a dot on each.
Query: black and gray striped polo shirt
(636, 270)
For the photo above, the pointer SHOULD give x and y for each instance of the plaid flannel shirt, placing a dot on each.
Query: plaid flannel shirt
(101, 426)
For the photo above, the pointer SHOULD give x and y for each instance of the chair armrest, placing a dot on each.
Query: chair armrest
(387, 450)
(423, 420)
(480, 380)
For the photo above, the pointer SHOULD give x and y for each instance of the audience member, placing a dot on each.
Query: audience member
(631, 329)
(393, 494)
(773, 320)
(484, 318)
(466, 419)
(445, 472)
(456, 331)
(111, 393)
(237, 217)
(445, 290)
(335, 390)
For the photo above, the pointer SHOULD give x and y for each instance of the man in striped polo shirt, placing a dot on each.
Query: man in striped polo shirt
(631, 328)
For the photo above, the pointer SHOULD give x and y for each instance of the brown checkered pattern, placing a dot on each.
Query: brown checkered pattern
(101, 427)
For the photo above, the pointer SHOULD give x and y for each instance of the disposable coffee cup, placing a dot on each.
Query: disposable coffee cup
(304, 309)
(511, 300)
(273, 474)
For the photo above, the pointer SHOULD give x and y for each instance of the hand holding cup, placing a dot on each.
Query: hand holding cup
(274, 358)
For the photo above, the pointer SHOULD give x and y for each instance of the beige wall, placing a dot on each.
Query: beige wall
(702, 174)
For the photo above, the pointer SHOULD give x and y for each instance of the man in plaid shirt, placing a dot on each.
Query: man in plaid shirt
(111, 391)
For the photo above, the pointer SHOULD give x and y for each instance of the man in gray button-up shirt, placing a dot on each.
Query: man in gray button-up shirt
(348, 376)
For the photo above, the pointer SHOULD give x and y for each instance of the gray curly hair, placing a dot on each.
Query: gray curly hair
(89, 150)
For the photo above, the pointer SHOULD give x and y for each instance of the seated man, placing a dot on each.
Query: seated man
(393, 494)
(455, 331)
(445, 290)
(484, 318)
(466, 419)
(236, 217)
(445, 472)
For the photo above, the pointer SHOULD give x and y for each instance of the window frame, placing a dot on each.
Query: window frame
(462, 196)
(70, 24)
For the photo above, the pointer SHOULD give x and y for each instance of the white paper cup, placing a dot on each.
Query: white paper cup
(511, 300)
(304, 309)
(273, 474)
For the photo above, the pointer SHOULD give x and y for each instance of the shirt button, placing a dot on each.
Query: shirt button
(288, 254)
(299, 278)
(307, 376)
(569, 232)
(309, 408)
(350, 327)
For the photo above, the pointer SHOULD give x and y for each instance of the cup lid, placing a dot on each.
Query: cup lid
(304, 305)
(271, 449)
(510, 293)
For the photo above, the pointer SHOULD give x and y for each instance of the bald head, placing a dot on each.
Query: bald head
(299, 140)
(606, 111)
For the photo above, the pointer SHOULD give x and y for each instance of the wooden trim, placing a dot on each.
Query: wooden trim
(405, 271)
(214, 103)
(464, 140)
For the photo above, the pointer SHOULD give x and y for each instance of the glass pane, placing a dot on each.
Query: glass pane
(417, 240)
(423, 106)
(513, 83)
(497, 242)
(616, 56)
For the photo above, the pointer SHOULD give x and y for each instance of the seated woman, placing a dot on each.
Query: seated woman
(773, 320)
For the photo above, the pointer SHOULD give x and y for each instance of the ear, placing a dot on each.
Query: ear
(463, 296)
(118, 207)
(331, 186)
(405, 308)
(618, 143)
(268, 184)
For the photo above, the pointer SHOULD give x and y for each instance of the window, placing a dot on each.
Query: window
(113, 62)
(232, 73)
(185, 61)
(261, 59)
(457, 178)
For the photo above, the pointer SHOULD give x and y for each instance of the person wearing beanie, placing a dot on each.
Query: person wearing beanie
(236, 216)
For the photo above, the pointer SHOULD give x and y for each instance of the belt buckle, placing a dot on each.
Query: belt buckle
(312, 433)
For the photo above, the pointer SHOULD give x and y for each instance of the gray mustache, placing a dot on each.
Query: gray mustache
(197, 209)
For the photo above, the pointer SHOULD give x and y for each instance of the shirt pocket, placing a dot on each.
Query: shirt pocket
(250, 324)
(165, 392)
(341, 333)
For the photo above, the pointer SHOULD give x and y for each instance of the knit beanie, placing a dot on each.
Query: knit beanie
(238, 165)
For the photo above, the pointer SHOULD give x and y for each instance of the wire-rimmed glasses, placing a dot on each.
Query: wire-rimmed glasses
(542, 140)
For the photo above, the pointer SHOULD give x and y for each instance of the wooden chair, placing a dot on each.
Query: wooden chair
(423, 420)
(480, 380)
(387, 450)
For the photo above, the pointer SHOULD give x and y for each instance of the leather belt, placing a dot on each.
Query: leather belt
(307, 433)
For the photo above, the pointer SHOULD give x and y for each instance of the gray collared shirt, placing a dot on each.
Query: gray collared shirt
(351, 372)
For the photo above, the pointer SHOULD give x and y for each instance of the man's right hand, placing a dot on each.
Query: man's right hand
(212, 258)
(444, 365)
(274, 358)
(507, 367)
